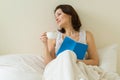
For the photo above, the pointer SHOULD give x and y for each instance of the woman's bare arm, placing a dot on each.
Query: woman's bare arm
(92, 51)
(49, 48)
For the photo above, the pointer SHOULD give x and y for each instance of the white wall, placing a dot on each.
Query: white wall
(22, 21)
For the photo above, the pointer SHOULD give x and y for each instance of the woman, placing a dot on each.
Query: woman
(69, 25)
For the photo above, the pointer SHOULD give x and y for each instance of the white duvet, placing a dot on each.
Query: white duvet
(21, 67)
(64, 67)
(31, 67)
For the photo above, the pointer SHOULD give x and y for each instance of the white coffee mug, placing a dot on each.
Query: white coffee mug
(51, 35)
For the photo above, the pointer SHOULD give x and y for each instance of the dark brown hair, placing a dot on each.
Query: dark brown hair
(68, 9)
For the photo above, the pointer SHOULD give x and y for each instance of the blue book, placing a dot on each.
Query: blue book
(78, 48)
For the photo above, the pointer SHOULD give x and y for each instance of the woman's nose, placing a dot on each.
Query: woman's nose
(56, 19)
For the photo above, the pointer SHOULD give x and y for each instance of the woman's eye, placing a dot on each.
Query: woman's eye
(59, 14)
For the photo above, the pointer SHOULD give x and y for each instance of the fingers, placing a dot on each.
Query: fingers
(43, 34)
(43, 37)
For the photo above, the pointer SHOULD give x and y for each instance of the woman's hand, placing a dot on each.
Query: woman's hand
(43, 38)
(79, 61)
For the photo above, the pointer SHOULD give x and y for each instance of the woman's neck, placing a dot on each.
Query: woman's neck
(69, 31)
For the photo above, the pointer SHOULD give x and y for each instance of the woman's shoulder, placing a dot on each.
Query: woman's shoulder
(89, 36)
(88, 33)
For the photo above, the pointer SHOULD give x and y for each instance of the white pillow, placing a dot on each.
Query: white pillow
(108, 58)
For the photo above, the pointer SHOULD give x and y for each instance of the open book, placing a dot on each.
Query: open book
(78, 48)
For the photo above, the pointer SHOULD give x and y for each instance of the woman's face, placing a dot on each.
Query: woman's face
(62, 19)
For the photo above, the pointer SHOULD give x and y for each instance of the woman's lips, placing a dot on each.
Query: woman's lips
(58, 21)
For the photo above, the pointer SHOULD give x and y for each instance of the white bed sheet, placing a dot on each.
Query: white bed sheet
(21, 67)
(26, 67)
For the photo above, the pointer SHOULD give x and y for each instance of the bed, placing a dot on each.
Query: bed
(30, 66)
(20, 67)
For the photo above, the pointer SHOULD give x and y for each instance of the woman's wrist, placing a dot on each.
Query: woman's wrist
(45, 44)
